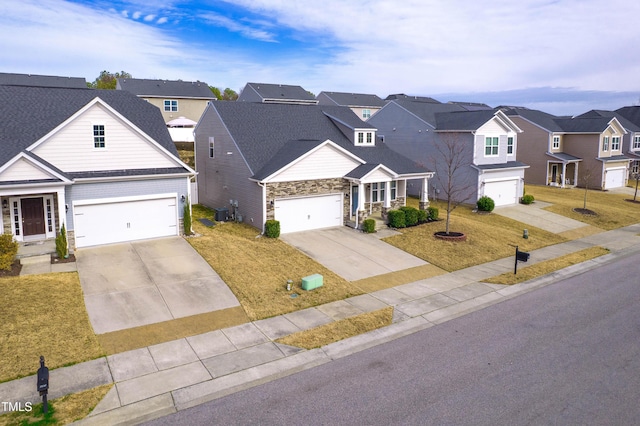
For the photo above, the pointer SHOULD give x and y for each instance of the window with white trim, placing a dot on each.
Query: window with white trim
(635, 168)
(170, 105)
(366, 113)
(393, 186)
(369, 137)
(211, 146)
(491, 146)
(365, 138)
(360, 137)
(556, 142)
(510, 145)
(377, 192)
(98, 136)
(636, 142)
(615, 143)
(605, 143)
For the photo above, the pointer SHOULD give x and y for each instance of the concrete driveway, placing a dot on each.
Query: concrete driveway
(143, 282)
(351, 254)
(534, 215)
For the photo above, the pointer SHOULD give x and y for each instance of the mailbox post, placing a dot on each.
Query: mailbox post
(522, 256)
(43, 383)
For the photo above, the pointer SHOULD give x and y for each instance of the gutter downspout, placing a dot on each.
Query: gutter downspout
(264, 204)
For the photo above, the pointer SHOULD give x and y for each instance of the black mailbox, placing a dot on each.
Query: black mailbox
(522, 256)
(43, 378)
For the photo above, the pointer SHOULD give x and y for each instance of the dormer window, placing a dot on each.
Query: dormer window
(615, 143)
(636, 142)
(556, 142)
(365, 138)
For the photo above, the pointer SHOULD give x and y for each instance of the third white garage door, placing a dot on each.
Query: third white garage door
(111, 221)
(502, 192)
(303, 214)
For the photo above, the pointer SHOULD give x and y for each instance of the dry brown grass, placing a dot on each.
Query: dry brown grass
(43, 315)
(489, 237)
(256, 269)
(612, 211)
(339, 330)
(188, 157)
(546, 267)
(63, 411)
(393, 279)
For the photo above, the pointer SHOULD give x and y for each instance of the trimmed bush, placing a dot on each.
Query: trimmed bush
(62, 248)
(423, 216)
(369, 226)
(432, 212)
(410, 215)
(8, 251)
(527, 199)
(396, 219)
(186, 217)
(485, 204)
(272, 228)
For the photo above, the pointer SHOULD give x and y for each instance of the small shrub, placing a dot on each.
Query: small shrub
(527, 199)
(186, 217)
(8, 251)
(432, 212)
(62, 248)
(410, 215)
(272, 228)
(485, 204)
(396, 219)
(369, 226)
(423, 216)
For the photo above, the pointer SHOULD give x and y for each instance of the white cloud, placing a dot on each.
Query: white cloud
(237, 27)
(162, 20)
(149, 18)
(136, 15)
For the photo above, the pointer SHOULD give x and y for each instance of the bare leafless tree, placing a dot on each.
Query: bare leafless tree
(451, 163)
(587, 174)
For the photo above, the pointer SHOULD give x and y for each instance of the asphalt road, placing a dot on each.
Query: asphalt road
(565, 354)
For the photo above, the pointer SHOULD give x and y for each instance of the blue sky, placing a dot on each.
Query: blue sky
(563, 57)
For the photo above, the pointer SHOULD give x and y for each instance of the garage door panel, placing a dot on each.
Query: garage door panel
(502, 192)
(302, 214)
(113, 222)
(614, 178)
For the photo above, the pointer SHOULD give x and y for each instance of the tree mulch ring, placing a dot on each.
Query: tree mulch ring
(55, 259)
(585, 212)
(632, 201)
(16, 267)
(451, 236)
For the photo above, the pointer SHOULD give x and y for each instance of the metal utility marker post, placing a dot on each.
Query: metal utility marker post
(43, 384)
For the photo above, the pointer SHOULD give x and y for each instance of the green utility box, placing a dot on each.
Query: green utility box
(311, 282)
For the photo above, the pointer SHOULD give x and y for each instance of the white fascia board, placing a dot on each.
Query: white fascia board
(35, 163)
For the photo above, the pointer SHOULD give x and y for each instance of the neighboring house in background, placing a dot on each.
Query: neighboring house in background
(571, 151)
(181, 130)
(632, 143)
(363, 105)
(276, 94)
(418, 127)
(42, 80)
(101, 162)
(308, 167)
(174, 98)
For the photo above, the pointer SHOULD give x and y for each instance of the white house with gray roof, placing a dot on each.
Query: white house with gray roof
(307, 166)
(486, 141)
(101, 162)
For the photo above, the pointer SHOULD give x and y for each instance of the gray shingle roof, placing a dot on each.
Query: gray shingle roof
(270, 136)
(563, 156)
(165, 88)
(471, 106)
(542, 119)
(29, 113)
(507, 165)
(583, 125)
(462, 120)
(10, 79)
(280, 92)
(426, 110)
(403, 97)
(631, 113)
(355, 99)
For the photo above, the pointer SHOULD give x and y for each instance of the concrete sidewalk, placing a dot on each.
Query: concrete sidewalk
(158, 380)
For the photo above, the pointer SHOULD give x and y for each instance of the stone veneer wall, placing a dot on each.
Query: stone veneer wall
(303, 188)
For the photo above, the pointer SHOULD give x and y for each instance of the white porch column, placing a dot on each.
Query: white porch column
(564, 174)
(62, 212)
(387, 194)
(424, 194)
(361, 196)
(575, 174)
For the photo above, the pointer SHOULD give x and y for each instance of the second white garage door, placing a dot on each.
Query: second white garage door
(502, 192)
(118, 221)
(303, 214)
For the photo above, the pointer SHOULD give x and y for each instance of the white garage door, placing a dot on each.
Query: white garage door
(614, 179)
(303, 214)
(114, 222)
(503, 192)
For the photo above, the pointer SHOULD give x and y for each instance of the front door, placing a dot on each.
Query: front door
(32, 216)
(554, 173)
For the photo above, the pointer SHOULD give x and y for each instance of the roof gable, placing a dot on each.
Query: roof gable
(354, 100)
(27, 168)
(165, 88)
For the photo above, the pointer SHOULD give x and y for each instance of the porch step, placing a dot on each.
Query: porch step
(30, 260)
(380, 224)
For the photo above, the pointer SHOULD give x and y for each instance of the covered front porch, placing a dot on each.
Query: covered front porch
(562, 170)
(372, 196)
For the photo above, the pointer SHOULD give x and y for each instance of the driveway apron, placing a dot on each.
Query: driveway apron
(534, 215)
(144, 282)
(351, 254)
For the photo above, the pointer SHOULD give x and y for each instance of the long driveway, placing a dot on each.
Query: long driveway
(145, 282)
(351, 254)
(535, 215)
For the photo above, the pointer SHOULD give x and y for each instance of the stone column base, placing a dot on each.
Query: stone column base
(423, 205)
